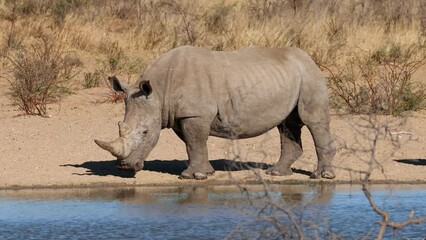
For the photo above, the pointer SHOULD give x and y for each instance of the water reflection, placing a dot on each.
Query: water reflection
(212, 212)
(292, 194)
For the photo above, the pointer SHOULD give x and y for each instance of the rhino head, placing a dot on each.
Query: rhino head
(140, 129)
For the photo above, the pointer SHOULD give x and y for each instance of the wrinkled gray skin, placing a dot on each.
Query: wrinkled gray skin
(240, 94)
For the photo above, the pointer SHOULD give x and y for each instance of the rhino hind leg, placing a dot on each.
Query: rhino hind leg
(194, 132)
(324, 148)
(313, 108)
(291, 145)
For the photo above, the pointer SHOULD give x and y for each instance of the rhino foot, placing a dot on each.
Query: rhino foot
(191, 173)
(279, 171)
(324, 172)
(196, 176)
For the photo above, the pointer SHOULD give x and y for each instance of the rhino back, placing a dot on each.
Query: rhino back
(245, 92)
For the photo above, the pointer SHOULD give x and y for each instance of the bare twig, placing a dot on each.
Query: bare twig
(386, 216)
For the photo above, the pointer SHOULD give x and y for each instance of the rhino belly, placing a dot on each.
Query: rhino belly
(234, 131)
(248, 119)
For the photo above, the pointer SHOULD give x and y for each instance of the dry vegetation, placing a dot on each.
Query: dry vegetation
(346, 37)
(40, 74)
(368, 48)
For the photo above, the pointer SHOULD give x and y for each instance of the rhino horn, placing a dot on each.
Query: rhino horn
(124, 129)
(116, 147)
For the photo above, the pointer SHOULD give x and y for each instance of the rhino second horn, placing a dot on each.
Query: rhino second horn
(124, 129)
(116, 147)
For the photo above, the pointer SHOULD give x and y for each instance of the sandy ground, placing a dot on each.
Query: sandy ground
(59, 151)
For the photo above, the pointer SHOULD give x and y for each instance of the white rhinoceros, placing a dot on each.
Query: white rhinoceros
(239, 94)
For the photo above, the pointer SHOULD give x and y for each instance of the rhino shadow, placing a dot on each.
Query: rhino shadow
(174, 167)
(101, 168)
(416, 162)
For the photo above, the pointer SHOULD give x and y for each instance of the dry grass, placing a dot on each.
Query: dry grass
(332, 31)
(327, 28)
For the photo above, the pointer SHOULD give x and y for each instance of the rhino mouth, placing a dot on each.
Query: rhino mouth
(123, 165)
(118, 147)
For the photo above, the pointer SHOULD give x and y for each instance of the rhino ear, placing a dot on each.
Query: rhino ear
(117, 85)
(145, 88)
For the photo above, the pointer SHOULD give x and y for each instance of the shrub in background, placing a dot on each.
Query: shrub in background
(40, 74)
(379, 82)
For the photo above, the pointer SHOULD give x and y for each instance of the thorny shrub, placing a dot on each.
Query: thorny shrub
(39, 74)
(379, 82)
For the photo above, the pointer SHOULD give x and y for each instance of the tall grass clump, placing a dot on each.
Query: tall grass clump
(11, 40)
(379, 82)
(92, 79)
(29, 7)
(216, 17)
(40, 74)
(61, 8)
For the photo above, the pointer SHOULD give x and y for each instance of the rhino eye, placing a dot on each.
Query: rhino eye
(145, 132)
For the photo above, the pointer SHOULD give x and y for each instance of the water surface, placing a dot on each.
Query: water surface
(214, 212)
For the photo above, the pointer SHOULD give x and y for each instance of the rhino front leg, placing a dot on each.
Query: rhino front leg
(194, 132)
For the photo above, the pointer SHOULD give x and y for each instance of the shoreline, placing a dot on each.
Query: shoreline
(199, 183)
